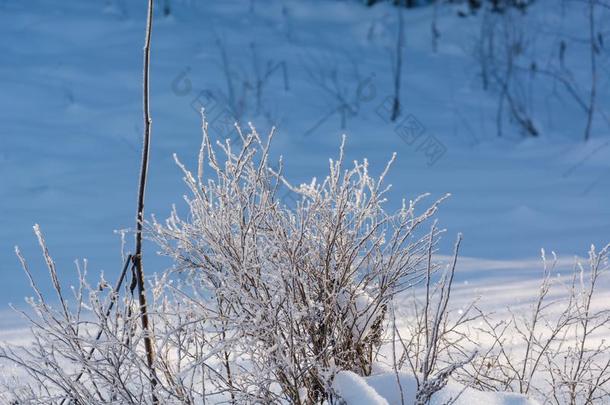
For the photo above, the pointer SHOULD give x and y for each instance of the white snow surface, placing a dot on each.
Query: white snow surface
(383, 389)
(71, 126)
(71, 121)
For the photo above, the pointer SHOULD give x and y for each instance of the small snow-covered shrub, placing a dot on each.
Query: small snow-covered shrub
(557, 352)
(291, 295)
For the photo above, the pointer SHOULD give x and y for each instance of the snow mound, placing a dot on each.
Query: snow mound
(355, 389)
(382, 389)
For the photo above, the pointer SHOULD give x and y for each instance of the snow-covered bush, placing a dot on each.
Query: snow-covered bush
(82, 350)
(265, 303)
(557, 351)
(291, 295)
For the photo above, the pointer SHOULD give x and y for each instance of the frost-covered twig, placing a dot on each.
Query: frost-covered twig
(137, 257)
